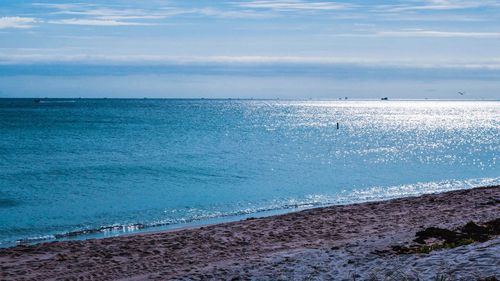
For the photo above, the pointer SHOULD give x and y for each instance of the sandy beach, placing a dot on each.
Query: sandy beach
(351, 242)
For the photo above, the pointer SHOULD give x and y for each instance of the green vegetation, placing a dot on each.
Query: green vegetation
(425, 249)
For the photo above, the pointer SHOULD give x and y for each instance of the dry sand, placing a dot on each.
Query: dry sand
(332, 243)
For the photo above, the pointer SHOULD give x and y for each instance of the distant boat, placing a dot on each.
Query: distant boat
(36, 100)
(385, 98)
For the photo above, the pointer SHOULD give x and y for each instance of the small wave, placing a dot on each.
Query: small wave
(391, 192)
(310, 201)
(35, 239)
(84, 232)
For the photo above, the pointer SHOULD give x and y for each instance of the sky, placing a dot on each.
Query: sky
(250, 49)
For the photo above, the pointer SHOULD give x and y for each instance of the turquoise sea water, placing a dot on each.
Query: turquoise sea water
(106, 167)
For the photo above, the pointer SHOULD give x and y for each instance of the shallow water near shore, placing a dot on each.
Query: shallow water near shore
(94, 168)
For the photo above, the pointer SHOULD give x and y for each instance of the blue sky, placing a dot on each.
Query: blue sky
(263, 48)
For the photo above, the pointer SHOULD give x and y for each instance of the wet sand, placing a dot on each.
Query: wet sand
(350, 242)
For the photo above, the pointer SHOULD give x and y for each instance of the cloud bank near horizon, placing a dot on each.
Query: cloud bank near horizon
(430, 39)
(244, 61)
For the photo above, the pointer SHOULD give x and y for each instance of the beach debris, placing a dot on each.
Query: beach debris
(435, 232)
(434, 238)
(491, 201)
(491, 278)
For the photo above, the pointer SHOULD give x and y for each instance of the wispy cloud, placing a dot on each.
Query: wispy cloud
(97, 22)
(17, 22)
(60, 6)
(440, 5)
(434, 33)
(294, 5)
(90, 14)
(229, 14)
(492, 63)
(118, 14)
(421, 33)
(111, 14)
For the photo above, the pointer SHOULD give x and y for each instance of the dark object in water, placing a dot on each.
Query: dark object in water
(385, 98)
(36, 100)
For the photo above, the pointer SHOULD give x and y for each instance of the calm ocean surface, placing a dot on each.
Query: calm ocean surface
(105, 167)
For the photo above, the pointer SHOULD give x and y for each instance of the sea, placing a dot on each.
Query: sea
(91, 168)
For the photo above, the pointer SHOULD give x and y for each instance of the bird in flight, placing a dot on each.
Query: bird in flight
(461, 93)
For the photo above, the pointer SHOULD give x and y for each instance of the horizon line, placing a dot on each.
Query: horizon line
(342, 99)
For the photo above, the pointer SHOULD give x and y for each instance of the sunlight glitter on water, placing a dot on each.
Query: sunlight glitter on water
(89, 164)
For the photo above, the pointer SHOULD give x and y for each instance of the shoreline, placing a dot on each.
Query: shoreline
(321, 242)
(110, 231)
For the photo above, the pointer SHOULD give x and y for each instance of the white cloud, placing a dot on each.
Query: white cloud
(118, 14)
(491, 63)
(218, 13)
(434, 33)
(97, 22)
(89, 14)
(16, 22)
(62, 6)
(294, 5)
(266, 8)
(437, 5)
